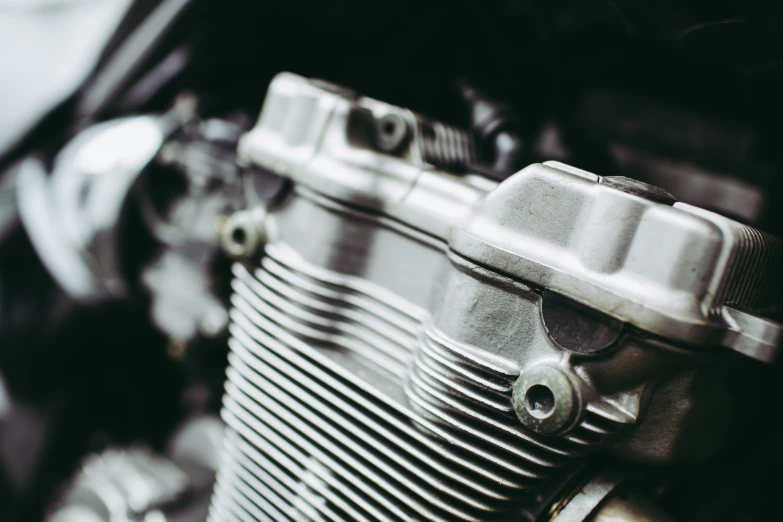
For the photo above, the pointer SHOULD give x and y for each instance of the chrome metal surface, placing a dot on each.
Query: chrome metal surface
(379, 340)
(182, 302)
(121, 485)
(629, 506)
(585, 500)
(325, 141)
(198, 441)
(607, 497)
(669, 270)
(72, 216)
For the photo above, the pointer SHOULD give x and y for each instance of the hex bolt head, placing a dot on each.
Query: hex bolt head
(545, 400)
(243, 235)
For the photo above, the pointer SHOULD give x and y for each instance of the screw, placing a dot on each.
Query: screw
(545, 400)
(243, 235)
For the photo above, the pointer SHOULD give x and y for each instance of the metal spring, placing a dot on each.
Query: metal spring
(446, 146)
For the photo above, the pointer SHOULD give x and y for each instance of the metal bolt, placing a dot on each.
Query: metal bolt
(545, 400)
(391, 132)
(243, 235)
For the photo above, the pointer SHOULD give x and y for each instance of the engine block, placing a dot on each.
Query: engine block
(416, 342)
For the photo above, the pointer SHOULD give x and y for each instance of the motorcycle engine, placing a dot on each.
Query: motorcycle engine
(411, 340)
(529, 270)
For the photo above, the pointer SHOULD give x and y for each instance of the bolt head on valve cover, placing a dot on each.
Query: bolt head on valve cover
(391, 132)
(545, 400)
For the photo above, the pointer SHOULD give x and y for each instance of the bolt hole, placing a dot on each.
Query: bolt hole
(540, 401)
(388, 127)
(239, 236)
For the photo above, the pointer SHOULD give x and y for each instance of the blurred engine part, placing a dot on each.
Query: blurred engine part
(605, 497)
(128, 254)
(184, 203)
(137, 484)
(122, 485)
(73, 216)
(183, 305)
(76, 216)
(497, 128)
(419, 342)
(50, 61)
